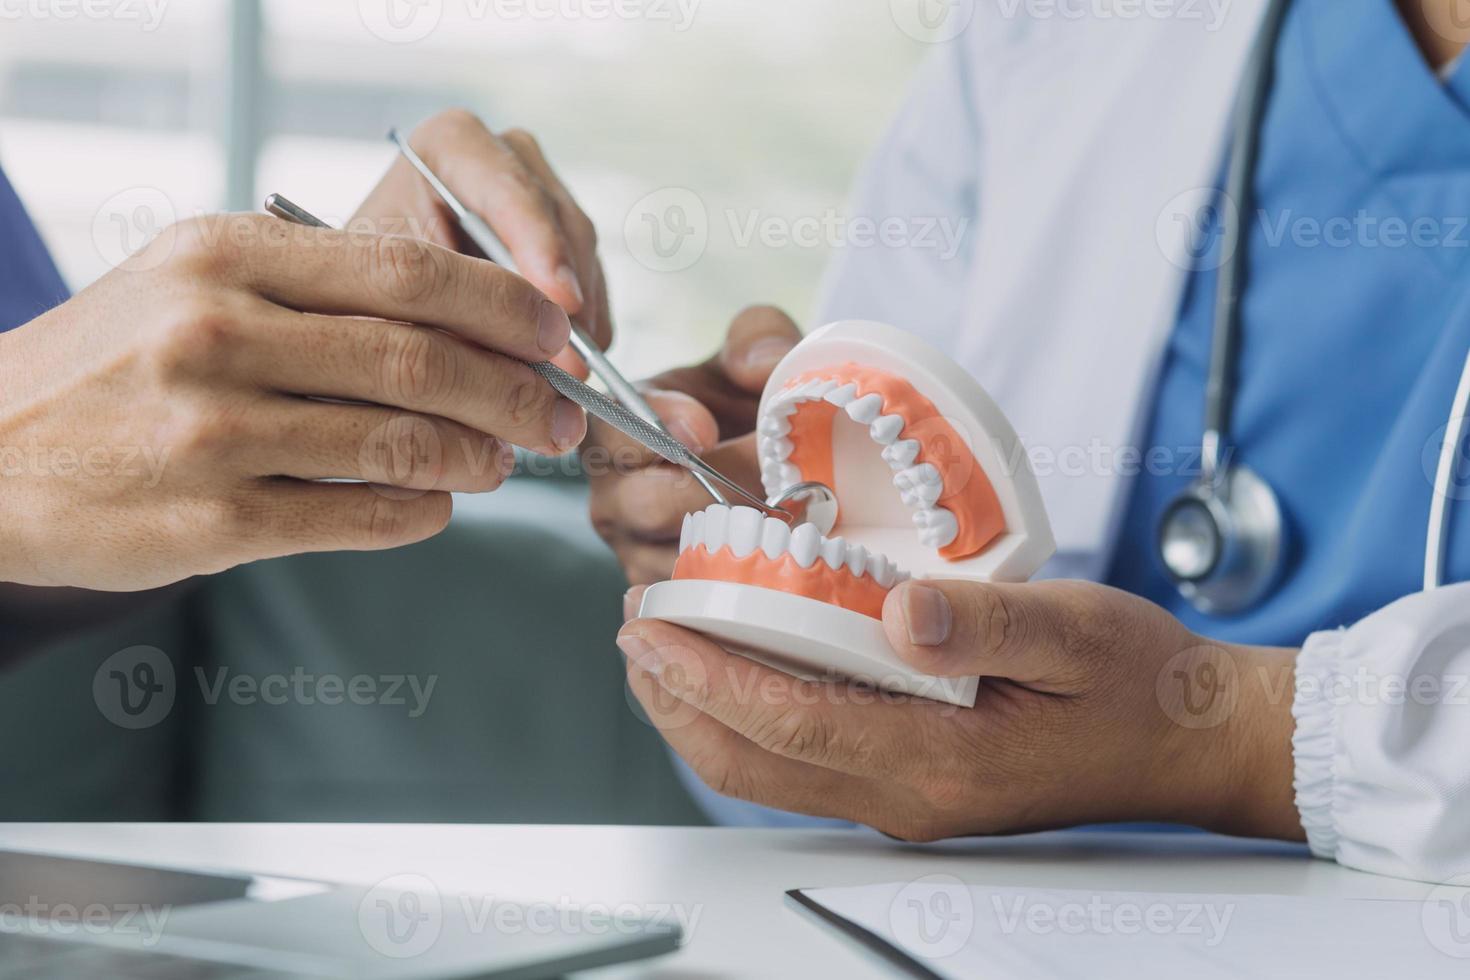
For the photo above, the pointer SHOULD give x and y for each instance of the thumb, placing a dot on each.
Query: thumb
(963, 629)
(758, 337)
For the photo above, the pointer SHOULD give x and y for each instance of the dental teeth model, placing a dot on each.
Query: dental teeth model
(931, 481)
(740, 545)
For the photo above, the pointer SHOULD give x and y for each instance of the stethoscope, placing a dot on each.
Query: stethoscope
(1222, 540)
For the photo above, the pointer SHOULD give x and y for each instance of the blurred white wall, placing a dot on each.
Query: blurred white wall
(702, 115)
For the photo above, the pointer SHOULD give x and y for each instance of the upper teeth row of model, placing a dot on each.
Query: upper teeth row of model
(919, 485)
(744, 529)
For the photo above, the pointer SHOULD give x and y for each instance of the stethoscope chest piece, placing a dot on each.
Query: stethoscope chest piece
(1221, 541)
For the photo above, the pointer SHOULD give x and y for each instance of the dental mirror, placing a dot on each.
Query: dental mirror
(816, 504)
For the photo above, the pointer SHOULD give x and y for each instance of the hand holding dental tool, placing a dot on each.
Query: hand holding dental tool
(623, 419)
(816, 502)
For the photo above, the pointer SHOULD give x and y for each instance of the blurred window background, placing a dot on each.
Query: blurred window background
(682, 126)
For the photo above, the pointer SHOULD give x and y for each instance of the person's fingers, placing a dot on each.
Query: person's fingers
(493, 181)
(579, 231)
(687, 421)
(632, 600)
(283, 516)
(758, 338)
(319, 270)
(730, 382)
(313, 440)
(1024, 633)
(835, 725)
(409, 367)
(734, 766)
(648, 505)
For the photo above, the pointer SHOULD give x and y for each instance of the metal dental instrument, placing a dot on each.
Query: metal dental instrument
(627, 421)
(655, 438)
(488, 242)
(819, 499)
(485, 239)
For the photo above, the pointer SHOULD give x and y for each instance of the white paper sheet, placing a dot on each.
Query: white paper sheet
(952, 929)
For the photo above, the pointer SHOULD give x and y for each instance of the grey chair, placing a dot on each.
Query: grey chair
(469, 678)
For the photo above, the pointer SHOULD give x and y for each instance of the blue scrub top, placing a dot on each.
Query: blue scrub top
(1355, 327)
(29, 282)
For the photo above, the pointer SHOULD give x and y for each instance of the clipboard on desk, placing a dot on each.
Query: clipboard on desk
(941, 927)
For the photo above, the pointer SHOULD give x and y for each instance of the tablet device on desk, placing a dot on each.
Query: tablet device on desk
(62, 917)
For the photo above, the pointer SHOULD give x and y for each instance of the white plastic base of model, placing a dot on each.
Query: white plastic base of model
(809, 639)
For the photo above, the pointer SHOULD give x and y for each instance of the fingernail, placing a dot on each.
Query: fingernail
(568, 425)
(642, 653)
(763, 355)
(568, 279)
(554, 329)
(927, 615)
(631, 603)
(684, 432)
(507, 459)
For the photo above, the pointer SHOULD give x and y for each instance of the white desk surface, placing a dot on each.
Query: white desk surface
(733, 879)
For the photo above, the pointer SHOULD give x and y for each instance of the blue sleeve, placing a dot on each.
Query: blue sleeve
(29, 281)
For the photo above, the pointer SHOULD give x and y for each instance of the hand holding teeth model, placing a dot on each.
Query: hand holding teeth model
(931, 482)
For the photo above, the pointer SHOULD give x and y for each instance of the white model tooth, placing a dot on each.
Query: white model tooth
(782, 448)
(770, 472)
(886, 429)
(910, 499)
(924, 480)
(696, 528)
(879, 571)
(775, 536)
(834, 552)
(783, 406)
(716, 527)
(806, 542)
(745, 530)
(901, 455)
(684, 535)
(939, 529)
(866, 408)
(841, 396)
(790, 475)
(774, 426)
(820, 389)
(857, 559)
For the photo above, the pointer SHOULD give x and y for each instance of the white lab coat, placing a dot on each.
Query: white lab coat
(1071, 144)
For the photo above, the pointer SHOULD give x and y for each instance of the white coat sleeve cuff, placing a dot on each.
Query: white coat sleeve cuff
(1382, 710)
(1314, 745)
